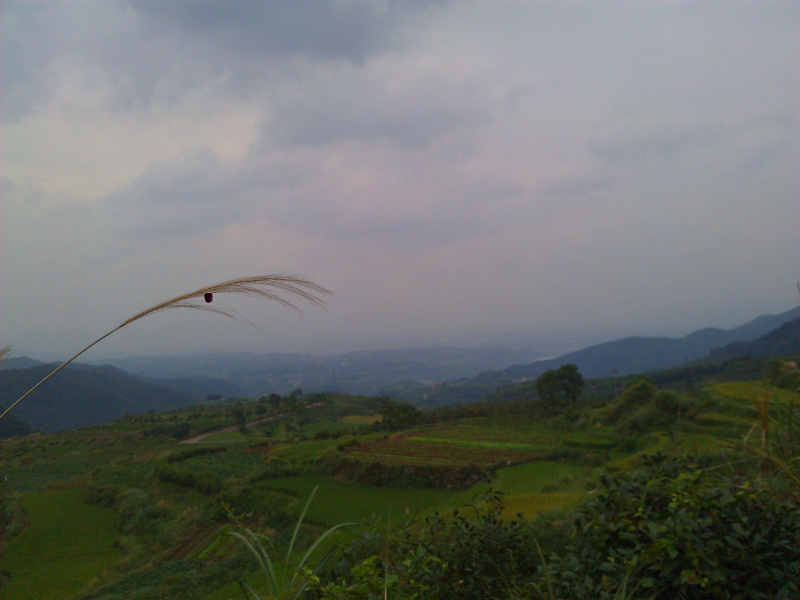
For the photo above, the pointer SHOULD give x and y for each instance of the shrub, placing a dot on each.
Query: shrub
(459, 558)
(674, 531)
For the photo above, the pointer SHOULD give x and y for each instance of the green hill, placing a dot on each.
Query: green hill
(81, 396)
(159, 503)
(643, 354)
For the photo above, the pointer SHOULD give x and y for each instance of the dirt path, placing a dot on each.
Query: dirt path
(249, 425)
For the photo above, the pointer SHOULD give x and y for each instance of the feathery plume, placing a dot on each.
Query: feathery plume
(270, 287)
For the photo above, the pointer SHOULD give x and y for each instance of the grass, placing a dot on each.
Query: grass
(532, 505)
(225, 436)
(481, 443)
(237, 462)
(308, 450)
(534, 476)
(66, 544)
(752, 391)
(337, 501)
(361, 419)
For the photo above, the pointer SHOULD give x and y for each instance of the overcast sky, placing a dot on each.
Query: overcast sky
(458, 173)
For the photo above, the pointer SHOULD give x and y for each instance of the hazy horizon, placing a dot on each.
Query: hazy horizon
(545, 347)
(463, 174)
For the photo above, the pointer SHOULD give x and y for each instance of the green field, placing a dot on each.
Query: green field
(169, 500)
(484, 444)
(224, 436)
(65, 545)
(361, 419)
(337, 502)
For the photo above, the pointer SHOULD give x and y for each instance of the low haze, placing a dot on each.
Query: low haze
(470, 173)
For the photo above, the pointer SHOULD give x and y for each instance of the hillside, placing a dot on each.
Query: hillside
(19, 362)
(141, 508)
(785, 340)
(642, 354)
(81, 396)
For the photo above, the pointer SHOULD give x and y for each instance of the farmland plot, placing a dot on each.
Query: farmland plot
(459, 445)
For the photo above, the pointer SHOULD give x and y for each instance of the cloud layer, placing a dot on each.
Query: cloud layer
(465, 171)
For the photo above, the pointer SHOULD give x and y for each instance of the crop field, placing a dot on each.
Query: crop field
(407, 451)
(751, 391)
(235, 462)
(361, 419)
(338, 502)
(494, 433)
(308, 450)
(41, 474)
(540, 475)
(66, 543)
(460, 445)
(224, 436)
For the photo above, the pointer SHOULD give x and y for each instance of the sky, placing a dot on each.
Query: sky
(464, 173)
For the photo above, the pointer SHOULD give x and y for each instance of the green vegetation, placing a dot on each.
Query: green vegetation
(64, 545)
(468, 494)
(290, 579)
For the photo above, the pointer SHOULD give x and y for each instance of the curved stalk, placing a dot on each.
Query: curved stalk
(266, 286)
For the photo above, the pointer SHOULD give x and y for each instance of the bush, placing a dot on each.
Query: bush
(673, 531)
(459, 558)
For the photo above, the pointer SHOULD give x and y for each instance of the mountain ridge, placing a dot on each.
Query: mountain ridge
(640, 354)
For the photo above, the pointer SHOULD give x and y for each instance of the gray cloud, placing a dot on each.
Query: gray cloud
(349, 31)
(580, 187)
(156, 51)
(597, 163)
(661, 143)
(412, 119)
(33, 36)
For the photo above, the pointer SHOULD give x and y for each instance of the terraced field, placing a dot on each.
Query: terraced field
(460, 445)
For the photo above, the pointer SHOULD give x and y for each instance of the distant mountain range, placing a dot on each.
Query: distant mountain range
(769, 335)
(785, 340)
(87, 395)
(633, 355)
(362, 372)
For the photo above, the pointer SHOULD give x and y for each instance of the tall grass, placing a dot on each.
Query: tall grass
(779, 446)
(287, 581)
(270, 287)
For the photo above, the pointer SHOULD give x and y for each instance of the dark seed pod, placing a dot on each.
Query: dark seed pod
(208, 296)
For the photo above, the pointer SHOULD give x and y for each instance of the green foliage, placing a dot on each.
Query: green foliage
(137, 513)
(290, 579)
(675, 531)
(638, 393)
(175, 430)
(459, 558)
(398, 415)
(269, 505)
(784, 374)
(423, 476)
(207, 484)
(66, 543)
(184, 579)
(414, 577)
(11, 427)
(483, 555)
(557, 389)
(188, 453)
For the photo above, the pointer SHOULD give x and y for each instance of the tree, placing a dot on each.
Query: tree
(241, 419)
(558, 388)
(399, 415)
(275, 401)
